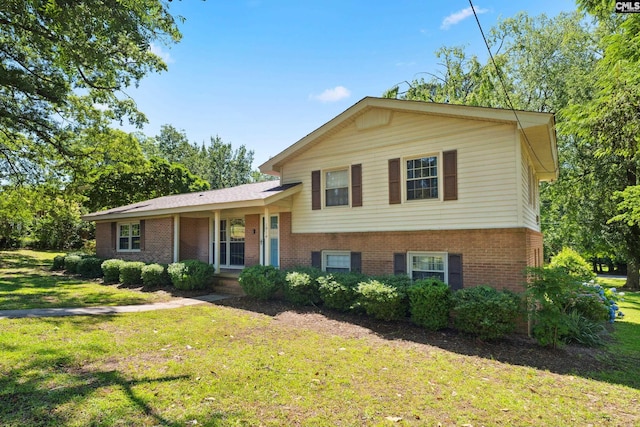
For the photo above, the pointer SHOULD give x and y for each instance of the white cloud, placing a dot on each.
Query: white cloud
(332, 95)
(157, 50)
(460, 15)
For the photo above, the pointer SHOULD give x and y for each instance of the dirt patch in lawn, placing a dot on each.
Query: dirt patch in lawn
(515, 349)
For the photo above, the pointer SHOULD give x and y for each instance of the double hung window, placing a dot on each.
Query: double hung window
(336, 187)
(129, 236)
(422, 178)
(336, 261)
(422, 265)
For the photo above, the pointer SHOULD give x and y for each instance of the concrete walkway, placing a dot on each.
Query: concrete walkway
(88, 311)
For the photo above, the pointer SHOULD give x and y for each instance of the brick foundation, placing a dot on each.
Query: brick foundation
(496, 257)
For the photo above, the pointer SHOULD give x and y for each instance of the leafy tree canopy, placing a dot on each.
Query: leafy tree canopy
(63, 68)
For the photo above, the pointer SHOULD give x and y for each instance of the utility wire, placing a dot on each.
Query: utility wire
(504, 86)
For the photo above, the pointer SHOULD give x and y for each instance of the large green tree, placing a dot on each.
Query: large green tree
(63, 68)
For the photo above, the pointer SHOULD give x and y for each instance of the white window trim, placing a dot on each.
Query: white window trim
(324, 186)
(332, 252)
(403, 171)
(227, 243)
(444, 255)
(130, 224)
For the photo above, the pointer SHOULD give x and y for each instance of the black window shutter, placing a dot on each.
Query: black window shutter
(142, 234)
(450, 174)
(455, 271)
(316, 202)
(395, 185)
(356, 262)
(400, 263)
(114, 236)
(316, 259)
(356, 185)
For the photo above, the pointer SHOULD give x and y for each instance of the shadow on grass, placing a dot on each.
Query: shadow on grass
(53, 388)
(516, 349)
(18, 259)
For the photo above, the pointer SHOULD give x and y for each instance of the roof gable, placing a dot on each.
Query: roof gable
(537, 129)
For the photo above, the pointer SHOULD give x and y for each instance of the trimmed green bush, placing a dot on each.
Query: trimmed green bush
(154, 275)
(573, 264)
(301, 286)
(382, 301)
(338, 290)
(485, 312)
(191, 274)
(90, 267)
(261, 281)
(429, 304)
(71, 263)
(131, 273)
(58, 263)
(111, 270)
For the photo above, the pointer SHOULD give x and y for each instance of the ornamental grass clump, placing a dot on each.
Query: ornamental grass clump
(261, 281)
(301, 286)
(131, 273)
(191, 274)
(111, 270)
(485, 312)
(429, 303)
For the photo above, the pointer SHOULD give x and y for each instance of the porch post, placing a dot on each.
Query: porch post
(211, 237)
(176, 238)
(216, 240)
(265, 237)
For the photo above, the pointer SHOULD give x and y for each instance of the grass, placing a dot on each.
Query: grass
(211, 365)
(26, 282)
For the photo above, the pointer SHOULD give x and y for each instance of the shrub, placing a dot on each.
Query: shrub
(131, 273)
(382, 301)
(429, 304)
(485, 312)
(90, 267)
(261, 281)
(191, 274)
(71, 263)
(584, 331)
(301, 286)
(573, 264)
(155, 275)
(591, 306)
(58, 262)
(338, 290)
(111, 270)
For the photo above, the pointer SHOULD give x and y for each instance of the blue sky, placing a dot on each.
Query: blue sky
(266, 73)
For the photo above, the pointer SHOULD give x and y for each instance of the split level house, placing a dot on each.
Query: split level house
(386, 187)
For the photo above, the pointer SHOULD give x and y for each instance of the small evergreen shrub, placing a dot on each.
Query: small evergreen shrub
(131, 273)
(382, 301)
(90, 267)
(261, 281)
(155, 275)
(573, 264)
(111, 270)
(71, 263)
(301, 286)
(485, 312)
(338, 290)
(429, 304)
(58, 263)
(191, 274)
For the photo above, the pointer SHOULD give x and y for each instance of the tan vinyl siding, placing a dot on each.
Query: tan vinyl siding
(487, 168)
(530, 198)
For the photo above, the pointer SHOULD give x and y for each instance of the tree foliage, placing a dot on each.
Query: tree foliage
(63, 68)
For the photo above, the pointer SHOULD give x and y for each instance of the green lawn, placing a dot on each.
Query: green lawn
(213, 365)
(26, 282)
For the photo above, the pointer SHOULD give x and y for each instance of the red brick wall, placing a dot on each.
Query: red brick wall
(194, 239)
(158, 242)
(497, 257)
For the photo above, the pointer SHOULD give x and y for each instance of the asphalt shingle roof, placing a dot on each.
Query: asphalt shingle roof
(257, 192)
